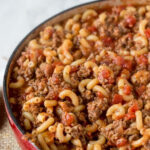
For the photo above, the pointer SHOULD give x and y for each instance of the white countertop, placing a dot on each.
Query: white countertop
(18, 17)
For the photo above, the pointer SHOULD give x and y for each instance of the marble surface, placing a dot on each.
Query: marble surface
(18, 17)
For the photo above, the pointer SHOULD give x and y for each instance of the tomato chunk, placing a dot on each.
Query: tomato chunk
(100, 95)
(130, 116)
(131, 111)
(107, 41)
(127, 64)
(74, 69)
(133, 108)
(147, 32)
(127, 89)
(57, 63)
(92, 29)
(121, 142)
(120, 117)
(140, 89)
(119, 61)
(105, 73)
(67, 119)
(117, 99)
(130, 21)
(142, 60)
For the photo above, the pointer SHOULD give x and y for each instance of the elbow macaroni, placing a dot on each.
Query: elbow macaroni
(116, 111)
(60, 135)
(70, 94)
(98, 88)
(88, 14)
(82, 85)
(20, 82)
(45, 125)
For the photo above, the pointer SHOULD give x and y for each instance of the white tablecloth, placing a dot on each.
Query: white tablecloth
(18, 17)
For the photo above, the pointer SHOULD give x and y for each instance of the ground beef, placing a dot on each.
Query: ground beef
(125, 41)
(40, 86)
(56, 39)
(83, 72)
(145, 113)
(96, 108)
(77, 131)
(27, 73)
(147, 121)
(147, 145)
(146, 94)
(39, 74)
(114, 131)
(141, 77)
(52, 94)
(56, 79)
(74, 79)
(46, 69)
(87, 95)
(82, 117)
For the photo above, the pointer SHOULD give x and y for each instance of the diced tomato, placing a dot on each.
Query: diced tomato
(130, 116)
(64, 106)
(111, 80)
(57, 63)
(67, 119)
(39, 53)
(142, 60)
(133, 108)
(117, 99)
(105, 73)
(73, 69)
(120, 117)
(121, 142)
(92, 29)
(131, 111)
(119, 60)
(107, 41)
(130, 21)
(147, 32)
(127, 64)
(140, 89)
(100, 95)
(34, 55)
(127, 89)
